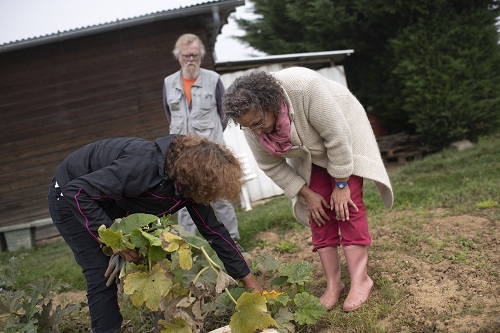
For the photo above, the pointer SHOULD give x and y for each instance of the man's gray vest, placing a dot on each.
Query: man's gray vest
(203, 117)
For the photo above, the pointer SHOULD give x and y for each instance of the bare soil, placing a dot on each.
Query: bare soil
(446, 280)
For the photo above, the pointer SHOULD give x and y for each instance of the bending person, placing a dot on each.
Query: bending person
(312, 137)
(113, 178)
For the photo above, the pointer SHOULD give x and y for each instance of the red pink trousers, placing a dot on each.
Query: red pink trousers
(349, 232)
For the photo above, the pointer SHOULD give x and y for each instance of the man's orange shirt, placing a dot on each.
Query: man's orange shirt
(188, 83)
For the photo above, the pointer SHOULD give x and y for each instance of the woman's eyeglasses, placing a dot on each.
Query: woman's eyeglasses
(195, 56)
(260, 124)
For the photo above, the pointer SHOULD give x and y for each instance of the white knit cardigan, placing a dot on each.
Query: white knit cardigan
(330, 129)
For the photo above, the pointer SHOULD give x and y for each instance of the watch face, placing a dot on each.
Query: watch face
(341, 185)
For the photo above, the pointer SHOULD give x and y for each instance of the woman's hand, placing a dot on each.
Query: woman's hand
(129, 255)
(340, 201)
(251, 284)
(315, 203)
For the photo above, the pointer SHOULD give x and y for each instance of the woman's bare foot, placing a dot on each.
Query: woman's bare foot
(358, 295)
(331, 296)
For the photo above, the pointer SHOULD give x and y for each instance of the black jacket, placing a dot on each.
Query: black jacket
(113, 178)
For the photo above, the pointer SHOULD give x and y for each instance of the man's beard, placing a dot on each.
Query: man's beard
(191, 71)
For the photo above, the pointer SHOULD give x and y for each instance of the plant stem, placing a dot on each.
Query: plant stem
(230, 296)
(210, 261)
(199, 273)
(213, 265)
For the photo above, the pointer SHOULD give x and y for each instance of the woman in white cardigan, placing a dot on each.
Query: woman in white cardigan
(312, 137)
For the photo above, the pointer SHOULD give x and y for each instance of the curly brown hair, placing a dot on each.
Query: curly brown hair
(204, 170)
(258, 91)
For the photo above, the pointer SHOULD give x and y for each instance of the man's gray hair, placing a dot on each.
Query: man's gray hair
(187, 39)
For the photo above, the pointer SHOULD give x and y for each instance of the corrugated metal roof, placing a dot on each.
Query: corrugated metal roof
(291, 58)
(199, 8)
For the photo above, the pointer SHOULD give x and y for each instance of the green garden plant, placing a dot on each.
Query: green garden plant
(286, 246)
(182, 280)
(31, 309)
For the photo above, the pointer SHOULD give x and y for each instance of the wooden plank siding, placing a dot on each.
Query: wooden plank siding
(57, 97)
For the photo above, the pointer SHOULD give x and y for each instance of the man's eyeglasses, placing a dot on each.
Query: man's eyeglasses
(195, 56)
(260, 124)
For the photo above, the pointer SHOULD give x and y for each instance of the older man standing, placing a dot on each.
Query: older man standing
(192, 102)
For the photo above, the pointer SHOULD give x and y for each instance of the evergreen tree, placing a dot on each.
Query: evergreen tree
(442, 53)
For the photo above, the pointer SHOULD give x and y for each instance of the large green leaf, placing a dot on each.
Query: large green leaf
(266, 263)
(171, 243)
(147, 288)
(285, 319)
(298, 272)
(283, 299)
(251, 314)
(157, 253)
(142, 238)
(279, 281)
(114, 239)
(10, 272)
(11, 301)
(137, 236)
(185, 257)
(129, 223)
(195, 241)
(309, 309)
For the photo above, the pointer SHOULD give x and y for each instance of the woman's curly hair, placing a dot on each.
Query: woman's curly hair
(257, 91)
(204, 170)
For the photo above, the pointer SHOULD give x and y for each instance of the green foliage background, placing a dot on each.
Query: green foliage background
(422, 66)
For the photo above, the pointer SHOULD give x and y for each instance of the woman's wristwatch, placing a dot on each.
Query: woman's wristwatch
(341, 185)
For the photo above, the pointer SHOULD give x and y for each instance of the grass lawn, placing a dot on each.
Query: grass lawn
(437, 188)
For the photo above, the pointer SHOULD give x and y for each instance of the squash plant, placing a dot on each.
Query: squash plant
(30, 309)
(180, 278)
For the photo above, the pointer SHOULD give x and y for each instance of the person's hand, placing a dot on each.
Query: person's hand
(113, 271)
(340, 201)
(129, 255)
(116, 263)
(251, 284)
(315, 203)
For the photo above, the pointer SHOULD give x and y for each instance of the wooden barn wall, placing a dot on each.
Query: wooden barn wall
(58, 97)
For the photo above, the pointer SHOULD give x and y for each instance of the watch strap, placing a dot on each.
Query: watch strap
(341, 185)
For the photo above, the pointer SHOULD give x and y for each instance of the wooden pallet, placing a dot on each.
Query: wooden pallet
(402, 147)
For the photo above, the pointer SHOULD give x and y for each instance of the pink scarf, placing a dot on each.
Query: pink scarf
(279, 141)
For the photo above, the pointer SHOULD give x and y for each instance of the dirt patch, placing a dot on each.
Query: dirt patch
(444, 270)
(70, 297)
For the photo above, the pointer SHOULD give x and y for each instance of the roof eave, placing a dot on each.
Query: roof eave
(206, 8)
